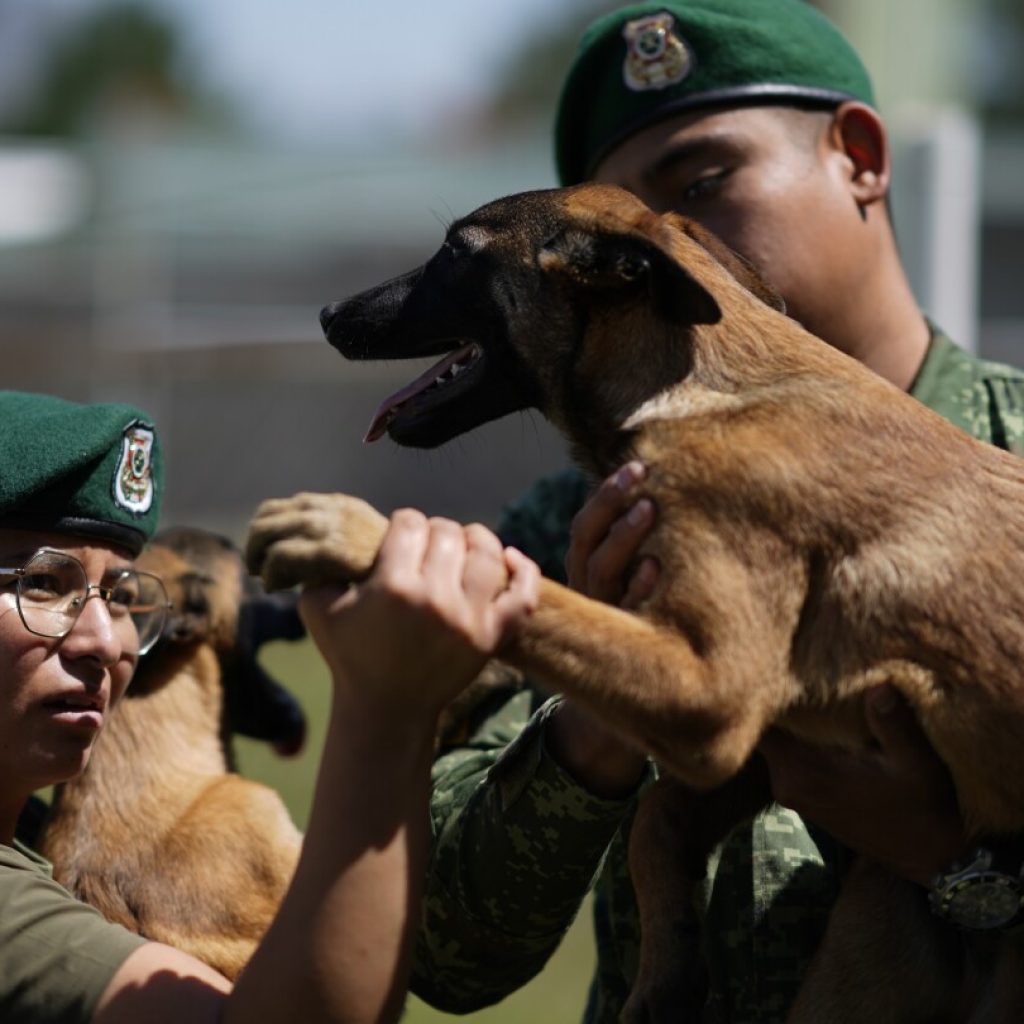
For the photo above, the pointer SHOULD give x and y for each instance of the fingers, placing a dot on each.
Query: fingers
(403, 550)
(591, 525)
(606, 536)
(522, 594)
(484, 572)
(461, 577)
(438, 601)
(443, 562)
(456, 570)
(642, 583)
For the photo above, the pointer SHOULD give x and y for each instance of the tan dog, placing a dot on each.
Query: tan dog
(159, 834)
(820, 532)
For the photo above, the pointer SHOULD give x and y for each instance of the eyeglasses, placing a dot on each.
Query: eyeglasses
(52, 588)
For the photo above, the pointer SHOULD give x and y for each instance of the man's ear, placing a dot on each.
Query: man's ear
(857, 133)
(624, 263)
(741, 268)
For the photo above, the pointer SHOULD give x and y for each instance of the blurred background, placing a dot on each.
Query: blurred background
(183, 184)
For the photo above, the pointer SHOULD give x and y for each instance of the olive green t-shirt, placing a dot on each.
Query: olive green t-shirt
(57, 955)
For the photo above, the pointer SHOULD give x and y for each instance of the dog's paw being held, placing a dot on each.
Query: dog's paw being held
(313, 539)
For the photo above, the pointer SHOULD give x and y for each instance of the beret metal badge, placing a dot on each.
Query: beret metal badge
(133, 477)
(655, 56)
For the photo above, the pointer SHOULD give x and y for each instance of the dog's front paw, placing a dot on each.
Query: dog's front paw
(313, 539)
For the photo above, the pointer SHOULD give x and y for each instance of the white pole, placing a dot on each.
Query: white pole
(936, 210)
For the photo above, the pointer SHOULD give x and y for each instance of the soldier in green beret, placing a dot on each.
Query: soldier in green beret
(757, 119)
(80, 489)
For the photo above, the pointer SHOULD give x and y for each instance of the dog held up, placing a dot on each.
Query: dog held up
(817, 533)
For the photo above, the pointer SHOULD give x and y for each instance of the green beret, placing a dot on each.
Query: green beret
(648, 61)
(90, 470)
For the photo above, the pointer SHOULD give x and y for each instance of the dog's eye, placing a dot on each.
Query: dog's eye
(469, 239)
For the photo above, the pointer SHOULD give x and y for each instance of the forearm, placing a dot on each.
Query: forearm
(339, 947)
(440, 600)
(594, 757)
(517, 845)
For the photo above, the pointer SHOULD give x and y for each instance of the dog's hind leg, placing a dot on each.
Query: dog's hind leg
(673, 834)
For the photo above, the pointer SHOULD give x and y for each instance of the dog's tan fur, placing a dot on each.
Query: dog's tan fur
(158, 834)
(819, 532)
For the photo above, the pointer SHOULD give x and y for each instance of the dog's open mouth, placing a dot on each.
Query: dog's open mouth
(453, 375)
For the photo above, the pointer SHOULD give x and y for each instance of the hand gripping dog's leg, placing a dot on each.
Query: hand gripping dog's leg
(313, 539)
(699, 712)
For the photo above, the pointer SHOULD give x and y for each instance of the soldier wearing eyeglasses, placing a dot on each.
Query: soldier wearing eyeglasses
(80, 490)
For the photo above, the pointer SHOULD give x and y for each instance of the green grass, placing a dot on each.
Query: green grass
(556, 996)
(299, 667)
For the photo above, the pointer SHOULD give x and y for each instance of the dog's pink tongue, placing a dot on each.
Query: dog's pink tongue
(388, 409)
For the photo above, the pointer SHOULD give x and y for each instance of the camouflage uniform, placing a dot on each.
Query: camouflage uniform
(518, 843)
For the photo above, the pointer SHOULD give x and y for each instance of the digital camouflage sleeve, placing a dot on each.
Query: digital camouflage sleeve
(518, 844)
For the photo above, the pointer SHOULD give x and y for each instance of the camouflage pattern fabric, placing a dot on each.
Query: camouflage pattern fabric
(518, 844)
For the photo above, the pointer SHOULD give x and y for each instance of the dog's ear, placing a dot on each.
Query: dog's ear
(608, 263)
(741, 268)
(190, 617)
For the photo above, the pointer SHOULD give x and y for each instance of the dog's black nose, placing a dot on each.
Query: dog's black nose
(327, 315)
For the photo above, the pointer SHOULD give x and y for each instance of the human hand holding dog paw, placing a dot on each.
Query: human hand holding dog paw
(440, 600)
(606, 536)
(894, 803)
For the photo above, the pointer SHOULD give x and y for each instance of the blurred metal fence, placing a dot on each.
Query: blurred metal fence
(192, 281)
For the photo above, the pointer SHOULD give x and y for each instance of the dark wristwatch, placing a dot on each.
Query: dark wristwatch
(983, 891)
